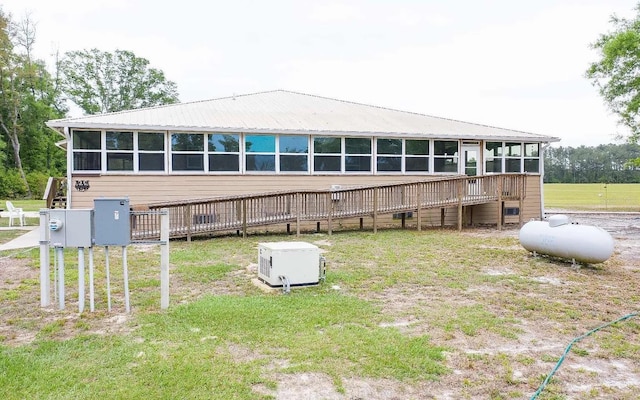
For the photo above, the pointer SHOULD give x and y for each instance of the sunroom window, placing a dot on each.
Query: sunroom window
(187, 152)
(513, 157)
(119, 151)
(445, 156)
(357, 154)
(294, 153)
(87, 151)
(260, 152)
(224, 152)
(493, 157)
(532, 157)
(327, 154)
(389, 158)
(151, 151)
(417, 155)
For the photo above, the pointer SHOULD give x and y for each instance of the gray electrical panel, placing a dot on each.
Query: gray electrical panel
(71, 228)
(112, 221)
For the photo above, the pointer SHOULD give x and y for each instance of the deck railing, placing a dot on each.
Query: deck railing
(240, 212)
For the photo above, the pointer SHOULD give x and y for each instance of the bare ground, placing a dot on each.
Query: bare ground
(483, 366)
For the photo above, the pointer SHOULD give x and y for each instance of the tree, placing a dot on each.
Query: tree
(28, 98)
(617, 73)
(100, 82)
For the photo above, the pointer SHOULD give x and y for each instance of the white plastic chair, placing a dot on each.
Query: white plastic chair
(15, 213)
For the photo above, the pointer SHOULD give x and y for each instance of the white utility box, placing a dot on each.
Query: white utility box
(289, 264)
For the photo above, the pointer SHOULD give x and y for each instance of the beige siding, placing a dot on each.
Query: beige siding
(531, 208)
(145, 189)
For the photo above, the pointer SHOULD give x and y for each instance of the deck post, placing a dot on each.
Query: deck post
(442, 217)
(523, 183)
(499, 215)
(419, 206)
(189, 217)
(244, 218)
(298, 211)
(361, 223)
(329, 201)
(460, 208)
(375, 210)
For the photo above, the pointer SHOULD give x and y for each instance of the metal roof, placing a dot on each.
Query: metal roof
(282, 111)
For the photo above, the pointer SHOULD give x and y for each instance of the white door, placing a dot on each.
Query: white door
(470, 164)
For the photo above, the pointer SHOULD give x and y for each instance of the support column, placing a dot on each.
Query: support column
(375, 210)
(45, 262)
(461, 183)
(499, 215)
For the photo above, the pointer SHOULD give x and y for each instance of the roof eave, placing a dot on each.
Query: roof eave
(430, 135)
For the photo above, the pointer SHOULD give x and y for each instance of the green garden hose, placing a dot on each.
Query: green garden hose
(566, 351)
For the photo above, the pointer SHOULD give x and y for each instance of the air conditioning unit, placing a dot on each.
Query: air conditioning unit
(286, 264)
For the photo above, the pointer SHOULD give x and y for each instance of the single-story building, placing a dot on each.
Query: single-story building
(281, 140)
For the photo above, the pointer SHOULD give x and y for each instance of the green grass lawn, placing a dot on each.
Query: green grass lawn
(593, 196)
(401, 308)
(26, 205)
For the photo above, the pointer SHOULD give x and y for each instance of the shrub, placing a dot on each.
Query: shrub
(37, 183)
(11, 185)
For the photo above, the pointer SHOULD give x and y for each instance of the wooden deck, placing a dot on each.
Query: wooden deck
(239, 213)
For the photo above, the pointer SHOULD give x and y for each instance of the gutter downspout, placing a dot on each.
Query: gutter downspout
(69, 165)
(542, 151)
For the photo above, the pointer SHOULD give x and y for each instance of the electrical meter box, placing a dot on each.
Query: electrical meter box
(297, 262)
(112, 221)
(71, 228)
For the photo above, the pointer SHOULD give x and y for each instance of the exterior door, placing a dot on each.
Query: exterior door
(471, 165)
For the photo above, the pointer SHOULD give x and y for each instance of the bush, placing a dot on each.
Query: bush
(38, 183)
(11, 185)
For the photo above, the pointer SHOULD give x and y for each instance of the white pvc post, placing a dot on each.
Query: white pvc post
(45, 271)
(164, 259)
(91, 287)
(81, 292)
(106, 257)
(125, 273)
(60, 254)
(55, 276)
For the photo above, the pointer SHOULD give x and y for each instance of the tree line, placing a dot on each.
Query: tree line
(607, 163)
(31, 93)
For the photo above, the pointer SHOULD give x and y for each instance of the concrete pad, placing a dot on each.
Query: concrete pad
(29, 239)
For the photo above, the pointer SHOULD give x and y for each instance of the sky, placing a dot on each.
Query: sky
(510, 64)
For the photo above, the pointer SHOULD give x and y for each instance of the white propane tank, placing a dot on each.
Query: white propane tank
(558, 237)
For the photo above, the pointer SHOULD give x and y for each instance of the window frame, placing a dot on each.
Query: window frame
(358, 155)
(113, 152)
(339, 155)
(446, 156)
(138, 153)
(280, 153)
(97, 151)
(506, 158)
(200, 152)
(238, 154)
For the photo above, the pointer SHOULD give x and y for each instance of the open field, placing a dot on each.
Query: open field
(593, 196)
(403, 315)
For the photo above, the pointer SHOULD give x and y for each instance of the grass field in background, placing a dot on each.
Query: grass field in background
(26, 205)
(593, 196)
